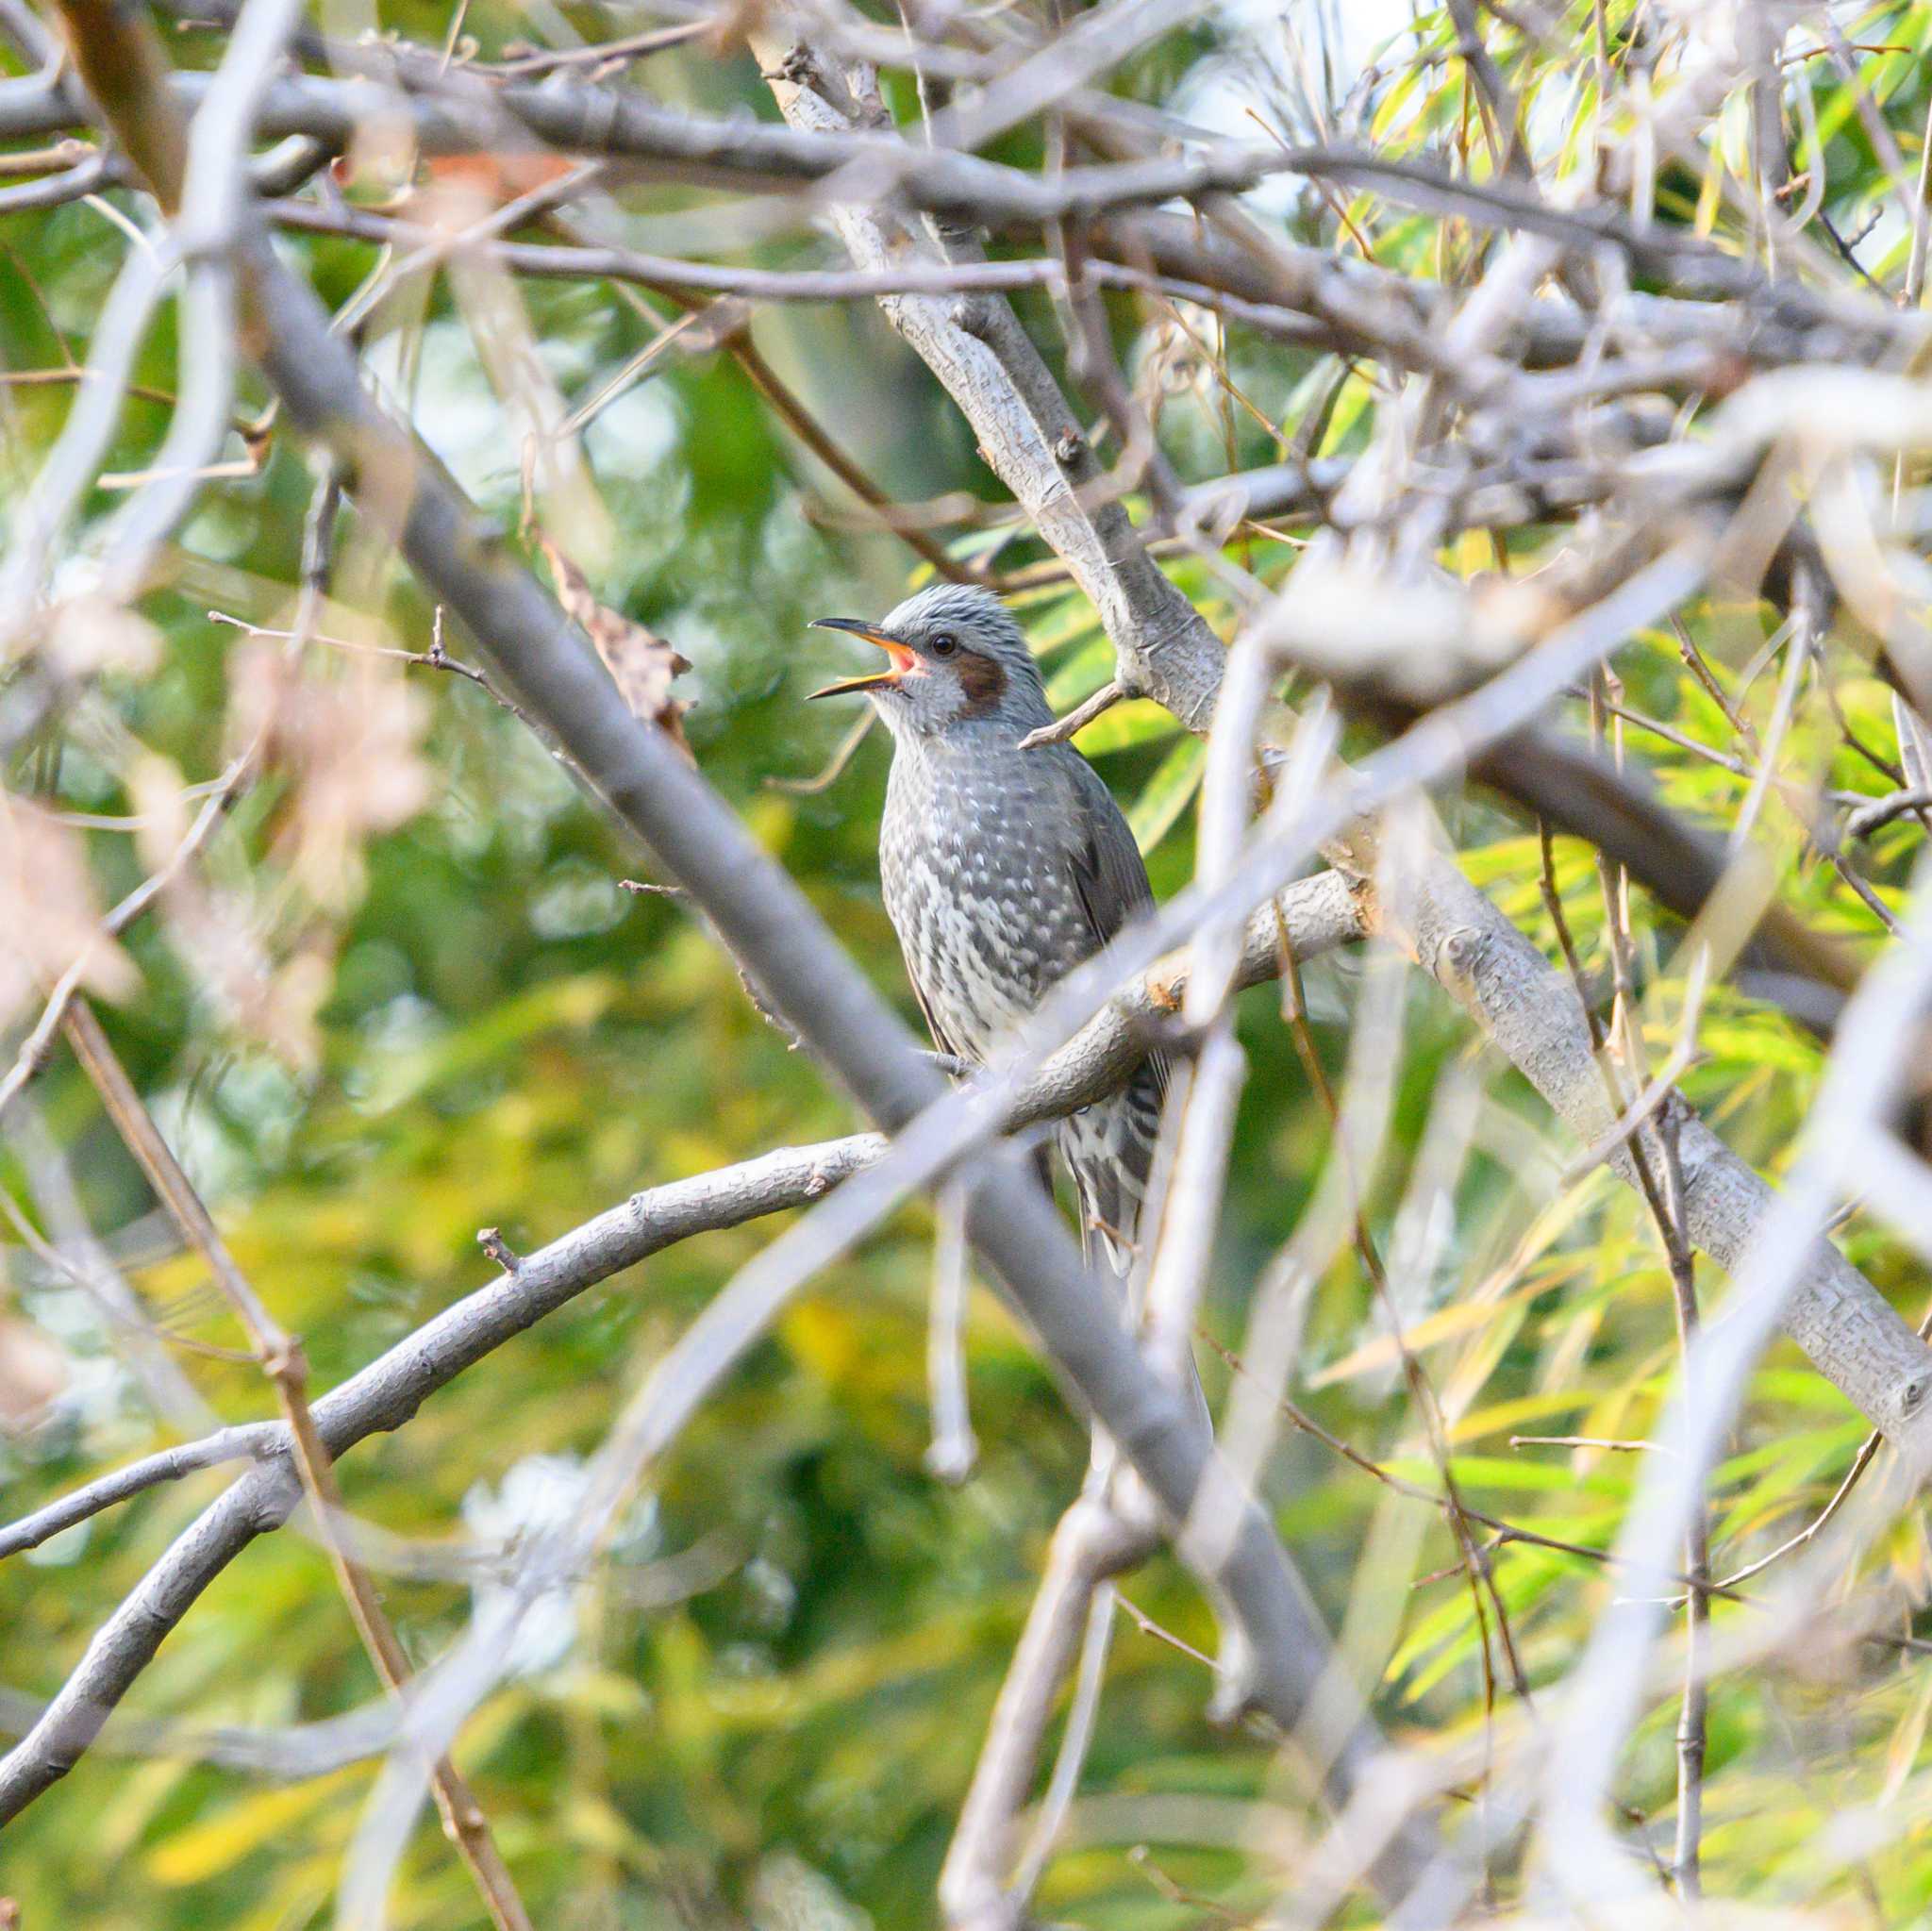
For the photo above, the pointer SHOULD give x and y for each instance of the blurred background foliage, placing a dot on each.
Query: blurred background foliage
(470, 1022)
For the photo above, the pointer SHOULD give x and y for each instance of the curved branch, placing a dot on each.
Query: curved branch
(1311, 918)
(381, 1397)
(1164, 649)
(248, 1443)
(1854, 1338)
(800, 968)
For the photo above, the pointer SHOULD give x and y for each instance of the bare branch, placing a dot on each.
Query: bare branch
(1077, 719)
(1090, 1544)
(381, 1397)
(1320, 914)
(1847, 1327)
(283, 1361)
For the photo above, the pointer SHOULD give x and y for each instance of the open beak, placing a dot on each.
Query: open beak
(900, 654)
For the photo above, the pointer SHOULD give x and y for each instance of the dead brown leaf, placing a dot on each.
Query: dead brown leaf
(350, 735)
(642, 663)
(33, 1371)
(223, 930)
(49, 917)
(91, 634)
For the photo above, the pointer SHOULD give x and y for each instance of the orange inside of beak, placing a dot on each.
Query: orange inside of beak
(901, 654)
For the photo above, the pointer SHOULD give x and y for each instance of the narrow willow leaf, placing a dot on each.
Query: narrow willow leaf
(1083, 673)
(1153, 815)
(1140, 720)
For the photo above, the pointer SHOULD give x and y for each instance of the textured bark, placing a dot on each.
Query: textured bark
(798, 966)
(1027, 434)
(1852, 1334)
(977, 348)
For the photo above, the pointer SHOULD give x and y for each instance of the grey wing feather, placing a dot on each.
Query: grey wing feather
(932, 1022)
(1040, 1159)
(1108, 871)
(1111, 880)
(1109, 1146)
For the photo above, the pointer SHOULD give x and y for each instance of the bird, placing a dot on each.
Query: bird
(1004, 867)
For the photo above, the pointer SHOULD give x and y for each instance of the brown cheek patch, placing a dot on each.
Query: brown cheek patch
(984, 681)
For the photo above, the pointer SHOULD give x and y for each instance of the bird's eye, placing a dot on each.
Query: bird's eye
(944, 644)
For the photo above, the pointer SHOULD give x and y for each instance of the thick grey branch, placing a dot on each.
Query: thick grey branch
(1312, 917)
(382, 1396)
(1853, 1335)
(1164, 648)
(767, 923)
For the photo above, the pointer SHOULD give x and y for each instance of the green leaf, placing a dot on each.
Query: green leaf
(1165, 795)
(1140, 720)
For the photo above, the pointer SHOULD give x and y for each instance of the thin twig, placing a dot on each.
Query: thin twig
(1077, 720)
(435, 658)
(954, 1450)
(286, 1366)
(34, 1049)
(1867, 1450)
(605, 57)
(1506, 1532)
(835, 767)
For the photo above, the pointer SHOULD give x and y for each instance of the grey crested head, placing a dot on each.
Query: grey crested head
(958, 663)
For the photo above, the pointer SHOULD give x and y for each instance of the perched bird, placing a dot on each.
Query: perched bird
(1004, 868)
